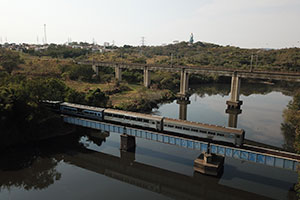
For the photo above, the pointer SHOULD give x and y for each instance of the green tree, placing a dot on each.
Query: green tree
(9, 60)
(96, 98)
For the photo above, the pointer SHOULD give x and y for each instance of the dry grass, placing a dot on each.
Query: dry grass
(35, 66)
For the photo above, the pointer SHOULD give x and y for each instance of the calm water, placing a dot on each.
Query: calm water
(91, 166)
(261, 112)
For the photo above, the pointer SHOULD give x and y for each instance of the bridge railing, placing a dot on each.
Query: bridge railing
(191, 67)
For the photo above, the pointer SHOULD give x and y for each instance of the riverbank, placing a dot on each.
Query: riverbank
(46, 129)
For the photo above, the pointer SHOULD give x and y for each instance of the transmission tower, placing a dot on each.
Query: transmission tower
(143, 41)
(45, 35)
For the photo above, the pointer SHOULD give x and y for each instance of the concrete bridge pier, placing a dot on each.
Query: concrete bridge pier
(95, 69)
(127, 143)
(184, 82)
(183, 102)
(147, 79)
(209, 164)
(234, 101)
(118, 73)
(233, 116)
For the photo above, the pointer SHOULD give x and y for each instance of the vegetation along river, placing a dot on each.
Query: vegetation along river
(90, 165)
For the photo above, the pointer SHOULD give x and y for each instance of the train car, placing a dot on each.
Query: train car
(132, 118)
(82, 111)
(219, 133)
(52, 105)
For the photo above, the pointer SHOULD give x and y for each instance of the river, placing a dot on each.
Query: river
(261, 112)
(90, 165)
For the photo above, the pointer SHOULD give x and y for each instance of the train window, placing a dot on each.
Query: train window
(139, 119)
(108, 114)
(171, 126)
(187, 129)
(202, 131)
(194, 130)
(211, 133)
(178, 127)
(126, 117)
(146, 120)
(219, 134)
(238, 136)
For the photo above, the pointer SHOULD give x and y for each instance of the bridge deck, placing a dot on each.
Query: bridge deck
(276, 75)
(249, 153)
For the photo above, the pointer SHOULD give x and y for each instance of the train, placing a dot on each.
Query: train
(226, 134)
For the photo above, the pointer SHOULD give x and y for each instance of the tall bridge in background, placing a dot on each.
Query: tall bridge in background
(236, 74)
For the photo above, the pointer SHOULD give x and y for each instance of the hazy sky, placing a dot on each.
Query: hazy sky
(243, 23)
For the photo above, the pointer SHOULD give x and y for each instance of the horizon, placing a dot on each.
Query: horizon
(271, 24)
(120, 46)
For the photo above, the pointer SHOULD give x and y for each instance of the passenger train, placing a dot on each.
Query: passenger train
(214, 132)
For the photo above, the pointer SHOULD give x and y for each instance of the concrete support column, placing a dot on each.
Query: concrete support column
(95, 69)
(234, 101)
(127, 142)
(184, 82)
(183, 102)
(118, 73)
(147, 80)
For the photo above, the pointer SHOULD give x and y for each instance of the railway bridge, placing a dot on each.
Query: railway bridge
(236, 74)
(249, 152)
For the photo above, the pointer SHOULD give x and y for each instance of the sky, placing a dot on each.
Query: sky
(242, 23)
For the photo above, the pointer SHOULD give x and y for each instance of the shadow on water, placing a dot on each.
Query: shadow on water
(247, 88)
(253, 177)
(33, 166)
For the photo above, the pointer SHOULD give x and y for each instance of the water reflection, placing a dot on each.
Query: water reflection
(33, 167)
(183, 102)
(30, 172)
(75, 171)
(233, 116)
(261, 117)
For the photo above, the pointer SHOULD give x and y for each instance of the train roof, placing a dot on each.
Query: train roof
(205, 126)
(82, 106)
(134, 114)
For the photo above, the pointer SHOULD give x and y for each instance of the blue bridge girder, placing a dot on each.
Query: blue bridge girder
(270, 157)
